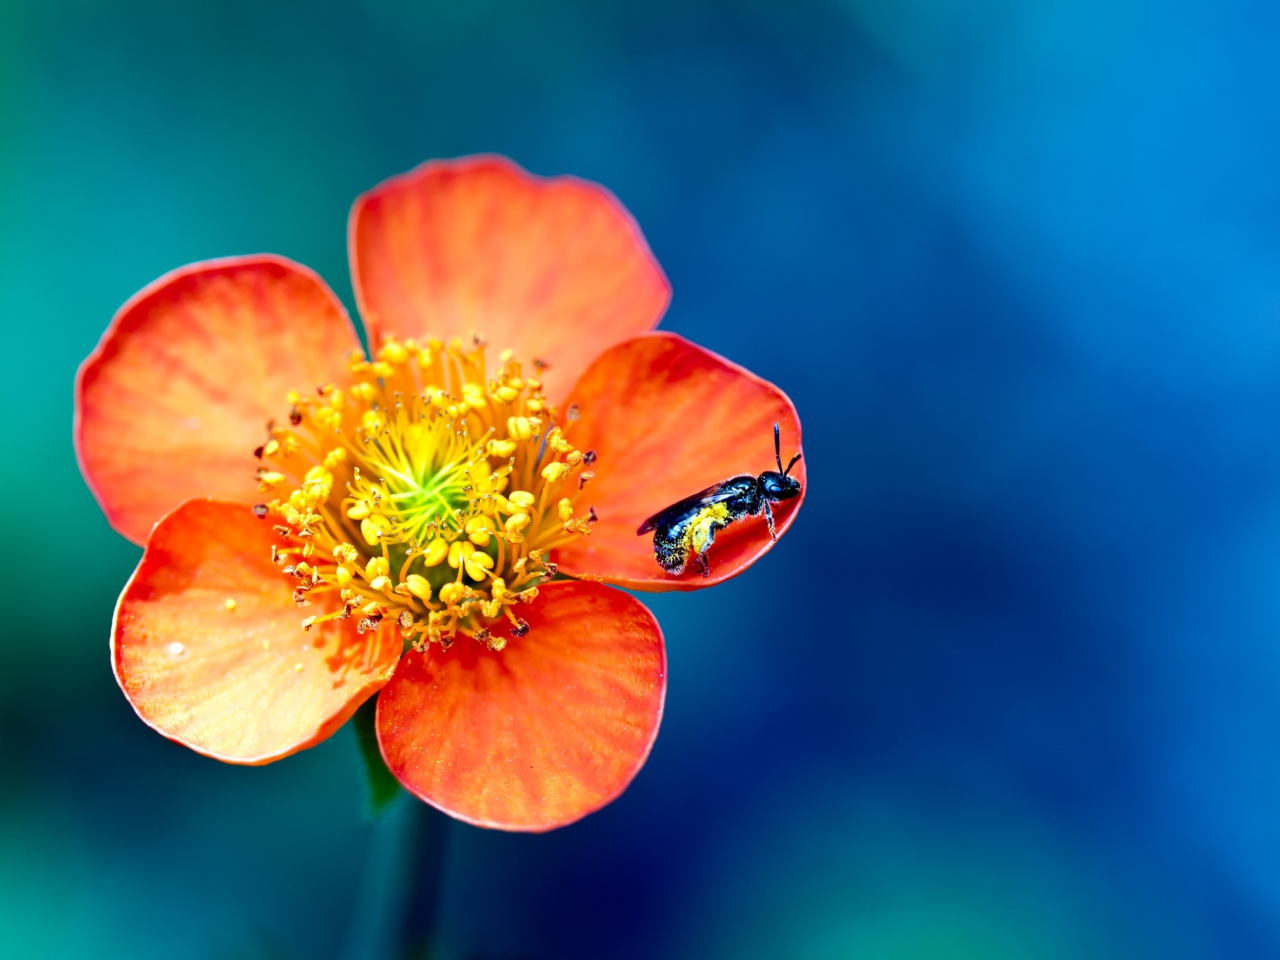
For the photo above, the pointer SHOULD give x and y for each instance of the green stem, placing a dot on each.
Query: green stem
(396, 908)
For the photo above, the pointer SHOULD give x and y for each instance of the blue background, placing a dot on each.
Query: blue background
(1008, 689)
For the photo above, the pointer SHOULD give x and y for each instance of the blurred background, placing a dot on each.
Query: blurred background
(1010, 688)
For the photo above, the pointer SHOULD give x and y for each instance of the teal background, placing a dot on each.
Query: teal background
(1008, 689)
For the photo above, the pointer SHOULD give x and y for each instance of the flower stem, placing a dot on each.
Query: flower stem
(395, 913)
(422, 892)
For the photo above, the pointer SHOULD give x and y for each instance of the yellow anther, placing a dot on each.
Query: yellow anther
(393, 352)
(374, 609)
(473, 393)
(292, 397)
(520, 428)
(379, 584)
(565, 509)
(372, 421)
(574, 458)
(436, 551)
(310, 622)
(269, 478)
(451, 593)
(557, 442)
(459, 550)
(271, 448)
(346, 553)
(334, 457)
(477, 564)
(514, 525)
(342, 575)
(337, 399)
(418, 586)
(505, 356)
(522, 498)
(373, 528)
(317, 491)
(328, 418)
(481, 477)
(377, 567)
(554, 471)
(364, 392)
(479, 529)
(358, 510)
(534, 405)
(229, 604)
(505, 394)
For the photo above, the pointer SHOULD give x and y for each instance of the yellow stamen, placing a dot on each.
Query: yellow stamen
(401, 492)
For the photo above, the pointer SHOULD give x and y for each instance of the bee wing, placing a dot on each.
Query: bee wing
(712, 494)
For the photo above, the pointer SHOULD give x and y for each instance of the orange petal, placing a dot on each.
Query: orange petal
(554, 269)
(245, 685)
(177, 394)
(543, 733)
(667, 419)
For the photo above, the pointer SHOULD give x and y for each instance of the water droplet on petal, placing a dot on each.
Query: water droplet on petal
(175, 649)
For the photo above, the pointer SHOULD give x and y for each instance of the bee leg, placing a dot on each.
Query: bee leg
(768, 515)
(703, 565)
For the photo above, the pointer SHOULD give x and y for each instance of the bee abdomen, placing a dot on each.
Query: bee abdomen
(670, 550)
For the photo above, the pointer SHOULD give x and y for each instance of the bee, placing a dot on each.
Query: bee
(689, 527)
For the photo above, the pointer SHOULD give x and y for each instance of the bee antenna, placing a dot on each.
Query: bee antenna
(777, 445)
(789, 465)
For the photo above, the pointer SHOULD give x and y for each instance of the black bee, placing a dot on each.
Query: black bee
(690, 526)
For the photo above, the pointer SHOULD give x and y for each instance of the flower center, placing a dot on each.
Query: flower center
(425, 493)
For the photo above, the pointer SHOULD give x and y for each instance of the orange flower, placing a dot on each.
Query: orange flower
(438, 521)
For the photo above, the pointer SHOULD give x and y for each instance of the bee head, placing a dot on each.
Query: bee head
(778, 486)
